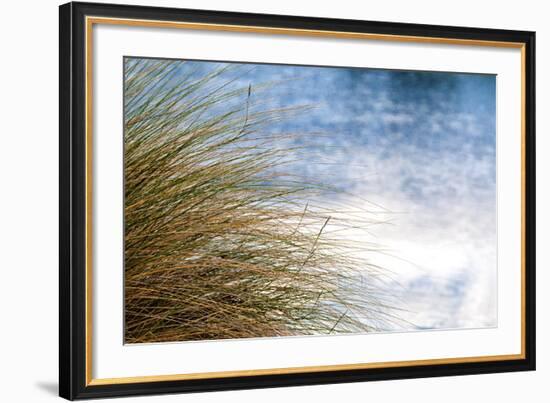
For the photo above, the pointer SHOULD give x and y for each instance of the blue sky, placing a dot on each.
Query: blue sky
(420, 147)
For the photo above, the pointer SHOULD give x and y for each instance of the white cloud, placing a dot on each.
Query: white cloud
(440, 245)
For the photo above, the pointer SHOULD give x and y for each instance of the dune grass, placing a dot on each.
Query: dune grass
(220, 241)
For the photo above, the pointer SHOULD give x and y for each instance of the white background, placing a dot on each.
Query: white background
(28, 213)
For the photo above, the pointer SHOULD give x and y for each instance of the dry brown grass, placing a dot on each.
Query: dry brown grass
(220, 242)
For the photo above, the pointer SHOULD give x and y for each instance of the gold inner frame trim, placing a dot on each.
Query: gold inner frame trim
(90, 21)
(295, 370)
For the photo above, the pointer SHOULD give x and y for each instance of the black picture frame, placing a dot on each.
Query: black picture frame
(73, 382)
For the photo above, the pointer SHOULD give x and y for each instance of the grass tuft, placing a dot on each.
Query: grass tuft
(220, 241)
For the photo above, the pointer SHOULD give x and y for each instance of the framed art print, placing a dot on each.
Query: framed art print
(253, 201)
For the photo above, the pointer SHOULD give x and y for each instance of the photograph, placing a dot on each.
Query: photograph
(278, 200)
(254, 200)
(275, 201)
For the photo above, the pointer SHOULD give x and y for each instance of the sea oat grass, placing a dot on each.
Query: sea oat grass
(220, 241)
